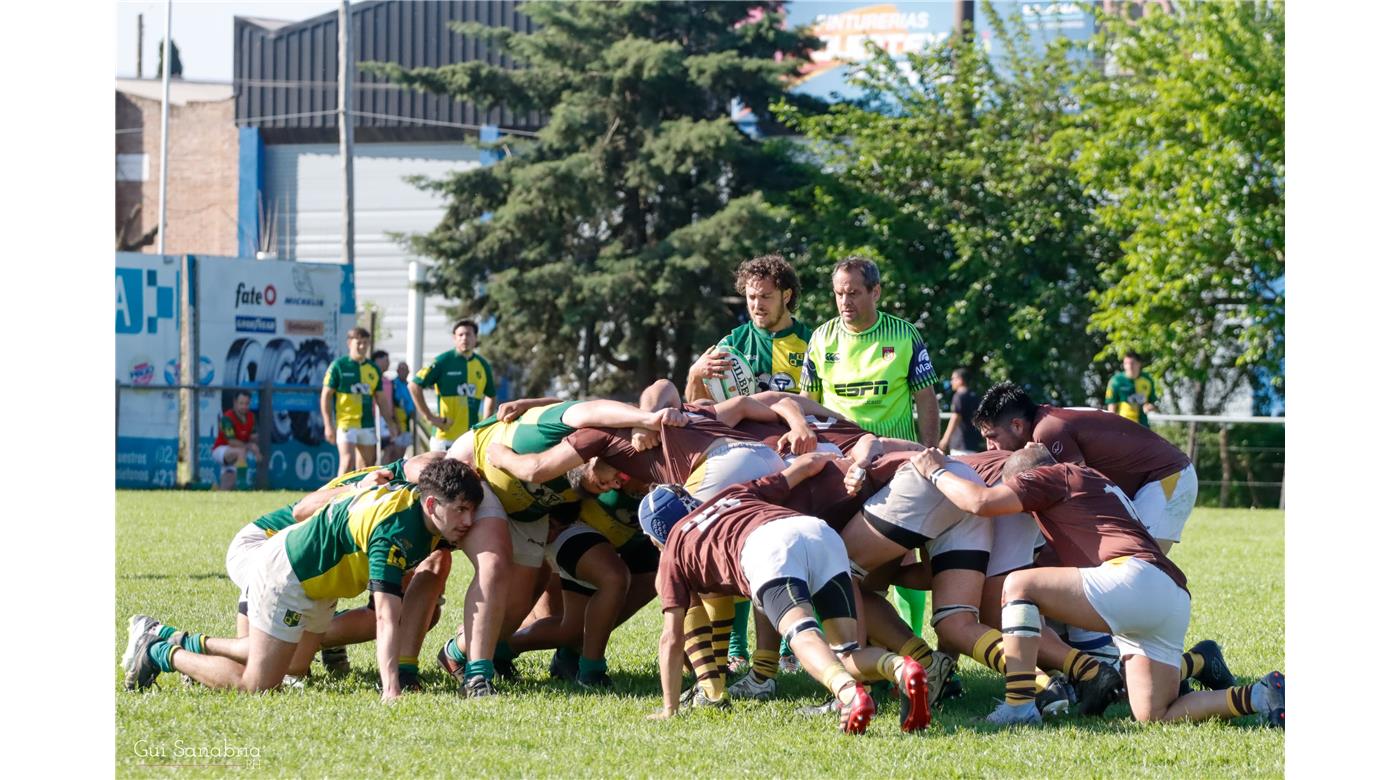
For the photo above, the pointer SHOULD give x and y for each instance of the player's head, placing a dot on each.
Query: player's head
(451, 492)
(595, 477)
(1006, 416)
(357, 342)
(381, 359)
(1132, 364)
(770, 290)
(241, 401)
(464, 335)
(855, 282)
(662, 508)
(1031, 456)
(959, 378)
(402, 370)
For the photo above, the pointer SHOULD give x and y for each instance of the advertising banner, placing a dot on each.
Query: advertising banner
(277, 320)
(148, 352)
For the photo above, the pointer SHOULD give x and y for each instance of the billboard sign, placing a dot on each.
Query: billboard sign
(148, 346)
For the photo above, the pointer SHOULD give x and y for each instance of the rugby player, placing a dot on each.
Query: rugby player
(465, 387)
(350, 390)
(732, 545)
(1112, 577)
(367, 539)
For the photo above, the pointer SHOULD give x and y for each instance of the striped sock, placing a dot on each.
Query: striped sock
(408, 663)
(917, 649)
(1020, 688)
(1241, 700)
(1191, 665)
(721, 614)
(701, 652)
(165, 632)
(987, 650)
(186, 641)
(765, 665)
(739, 637)
(1080, 667)
(163, 654)
(1042, 681)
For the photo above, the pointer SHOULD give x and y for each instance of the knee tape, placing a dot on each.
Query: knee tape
(858, 571)
(805, 624)
(949, 610)
(846, 649)
(1020, 617)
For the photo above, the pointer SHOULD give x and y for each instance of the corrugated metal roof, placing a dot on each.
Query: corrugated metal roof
(285, 77)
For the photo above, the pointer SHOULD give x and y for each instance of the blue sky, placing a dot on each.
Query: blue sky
(202, 30)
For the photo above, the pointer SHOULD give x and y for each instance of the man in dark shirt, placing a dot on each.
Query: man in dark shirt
(961, 436)
(1112, 577)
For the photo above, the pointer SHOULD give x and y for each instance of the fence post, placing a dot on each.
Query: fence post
(1224, 465)
(264, 431)
(117, 420)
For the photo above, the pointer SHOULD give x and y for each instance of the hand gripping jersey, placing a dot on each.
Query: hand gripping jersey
(366, 539)
(355, 385)
(776, 358)
(682, 448)
(461, 383)
(533, 432)
(281, 518)
(869, 377)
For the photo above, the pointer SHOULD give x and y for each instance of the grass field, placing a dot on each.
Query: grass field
(170, 564)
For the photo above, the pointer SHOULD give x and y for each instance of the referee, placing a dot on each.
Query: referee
(873, 368)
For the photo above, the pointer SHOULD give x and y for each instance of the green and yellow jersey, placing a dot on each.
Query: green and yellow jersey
(870, 377)
(613, 514)
(1130, 394)
(461, 384)
(355, 384)
(535, 431)
(276, 520)
(366, 539)
(776, 358)
(395, 470)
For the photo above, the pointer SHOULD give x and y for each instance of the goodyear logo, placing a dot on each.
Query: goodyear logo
(862, 389)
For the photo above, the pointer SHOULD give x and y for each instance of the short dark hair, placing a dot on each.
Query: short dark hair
(961, 373)
(869, 272)
(574, 476)
(447, 479)
(773, 268)
(379, 353)
(1003, 403)
(1131, 354)
(468, 322)
(1031, 456)
(237, 394)
(357, 333)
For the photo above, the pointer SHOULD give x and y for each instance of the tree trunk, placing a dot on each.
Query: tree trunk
(1224, 466)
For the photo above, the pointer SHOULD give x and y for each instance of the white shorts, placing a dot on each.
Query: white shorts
(527, 541)
(241, 559)
(912, 512)
(360, 437)
(1147, 611)
(730, 463)
(218, 455)
(1165, 504)
(440, 445)
(277, 604)
(404, 439)
(573, 542)
(1014, 540)
(800, 547)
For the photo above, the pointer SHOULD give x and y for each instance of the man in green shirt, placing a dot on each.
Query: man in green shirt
(349, 392)
(772, 342)
(1131, 393)
(465, 387)
(366, 540)
(873, 368)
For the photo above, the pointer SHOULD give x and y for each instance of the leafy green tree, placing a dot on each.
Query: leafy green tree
(945, 174)
(1183, 143)
(606, 246)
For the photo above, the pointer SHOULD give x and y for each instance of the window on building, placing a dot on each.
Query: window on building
(133, 167)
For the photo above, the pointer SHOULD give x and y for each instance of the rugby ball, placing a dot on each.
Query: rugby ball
(736, 380)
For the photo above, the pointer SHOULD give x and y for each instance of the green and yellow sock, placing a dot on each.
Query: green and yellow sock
(919, 650)
(1191, 665)
(408, 663)
(765, 665)
(699, 649)
(988, 651)
(1020, 688)
(481, 667)
(162, 653)
(454, 652)
(1080, 667)
(1241, 700)
(739, 637)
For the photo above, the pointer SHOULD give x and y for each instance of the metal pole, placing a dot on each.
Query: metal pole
(417, 280)
(140, 42)
(164, 126)
(347, 134)
(265, 423)
(189, 371)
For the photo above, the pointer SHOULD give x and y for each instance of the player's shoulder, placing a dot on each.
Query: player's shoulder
(899, 328)
(739, 334)
(443, 357)
(824, 331)
(801, 329)
(477, 357)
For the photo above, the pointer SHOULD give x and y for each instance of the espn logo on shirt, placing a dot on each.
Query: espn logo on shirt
(861, 389)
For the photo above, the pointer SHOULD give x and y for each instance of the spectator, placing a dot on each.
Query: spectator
(465, 388)
(962, 437)
(233, 444)
(1131, 393)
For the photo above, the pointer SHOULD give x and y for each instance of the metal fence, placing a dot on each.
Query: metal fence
(1239, 460)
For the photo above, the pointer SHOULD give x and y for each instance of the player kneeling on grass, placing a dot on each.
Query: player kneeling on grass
(742, 543)
(367, 539)
(1114, 578)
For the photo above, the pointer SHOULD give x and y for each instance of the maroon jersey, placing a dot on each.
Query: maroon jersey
(841, 433)
(1119, 448)
(702, 552)
(987, 464)
(680, 452)
(1087, 519)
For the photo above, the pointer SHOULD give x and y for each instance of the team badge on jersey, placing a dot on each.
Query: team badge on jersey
(887, 353)
(292, 619)
(396, 557)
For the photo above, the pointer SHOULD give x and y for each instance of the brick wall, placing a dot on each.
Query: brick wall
(202, 190)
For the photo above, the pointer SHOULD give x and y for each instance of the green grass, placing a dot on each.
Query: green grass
(170, 563)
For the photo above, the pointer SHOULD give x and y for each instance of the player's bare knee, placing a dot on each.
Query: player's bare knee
(1018, 586)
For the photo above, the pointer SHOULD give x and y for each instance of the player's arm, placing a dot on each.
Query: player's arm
(953, 422)
(387, 607)
(488, 393)
(966, 495)
(671, 655)
(385, 399)
(420, 403)
(1150, 404)
(615, 414)
(930, 419)
(328, 412)
(661, 394)
(807, 466)
(535, 467)
(510, 410)
(805, 403)
(800, 438)
(711, 363)
(311, 503)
